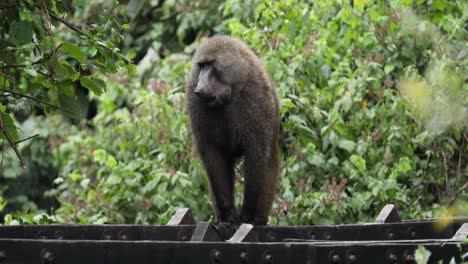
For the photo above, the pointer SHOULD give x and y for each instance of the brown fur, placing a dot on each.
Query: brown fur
(244, 122)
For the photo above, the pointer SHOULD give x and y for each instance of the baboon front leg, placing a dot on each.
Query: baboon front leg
(261, 174)
(221, 177)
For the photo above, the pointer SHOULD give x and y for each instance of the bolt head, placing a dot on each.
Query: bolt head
(352, 258)
(216, 255)
(335, 258)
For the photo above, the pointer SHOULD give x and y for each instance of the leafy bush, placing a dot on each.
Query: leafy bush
(48, 61)
(373, 107)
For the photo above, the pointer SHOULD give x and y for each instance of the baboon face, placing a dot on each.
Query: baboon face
(211, 88)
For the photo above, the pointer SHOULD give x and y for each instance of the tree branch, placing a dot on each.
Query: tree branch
(7, 76)
(28, 138)
(80, 31)
(66, 23)
(35, 62)
(12, 144)
(37, 100)
(5, 6)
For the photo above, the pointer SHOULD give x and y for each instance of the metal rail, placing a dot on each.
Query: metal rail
(388, 240)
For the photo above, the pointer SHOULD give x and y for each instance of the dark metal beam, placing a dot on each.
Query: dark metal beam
(115, 252)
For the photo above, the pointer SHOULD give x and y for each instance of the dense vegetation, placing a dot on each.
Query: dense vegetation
(374, 107)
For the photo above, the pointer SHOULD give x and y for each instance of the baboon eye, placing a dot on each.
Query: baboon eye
(203, 64)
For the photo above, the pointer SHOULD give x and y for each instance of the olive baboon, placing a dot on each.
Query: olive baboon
(233, 111)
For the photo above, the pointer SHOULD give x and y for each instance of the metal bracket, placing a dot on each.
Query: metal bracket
(462, 232)
(205, 232)
(245, 233)
(183, 216)
(388, 214)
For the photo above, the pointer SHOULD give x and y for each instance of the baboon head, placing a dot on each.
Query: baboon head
(211, 87)
(218, 66)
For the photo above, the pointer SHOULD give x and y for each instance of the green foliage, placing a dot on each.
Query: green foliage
(28, 219)
(140, 177)
(41, 61)
(372, 102)
(338, 71)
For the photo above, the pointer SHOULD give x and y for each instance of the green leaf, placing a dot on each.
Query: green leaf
(74, 176)
(422, 255)
(100, 155)
(389, 68)
(64, 70)
(325, 71)
(68, 100)
(97, 86)
(315, 160)
(133, 8)
(111, 162)
(113, 179)
(10, 128)
(132, 70)
(84, 183)
(404, 165)
(347, 145)
(73, 51)
(358, 162)
(20, 32)
(151, 185)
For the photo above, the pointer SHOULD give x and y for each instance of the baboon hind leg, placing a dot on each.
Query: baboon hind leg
(220, 170)
(261, 175)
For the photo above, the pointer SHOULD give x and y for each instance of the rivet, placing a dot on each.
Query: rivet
(335, 258)
(216, 256)
(243, 257)
(183, 236)
(313, 236)
(2, 255)
(391, 256)
(123, 235)
(41, 234)
(59, 235)
(271, 236)
(408, 257)
(390, 235)
(107, 235)
(327, 236)
(350, 257)
(267, 257)
(47, 257)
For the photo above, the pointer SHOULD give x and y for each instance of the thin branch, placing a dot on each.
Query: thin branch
(12, 144)
(80, 31)
(48, 26)
(5, 6)
(7, 76)
(28, 138)
(66, 23)
(1, 162)
(35, 62)
(37, 100)
(110, 12)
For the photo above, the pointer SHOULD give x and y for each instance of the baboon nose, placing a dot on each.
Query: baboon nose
(198, 93)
